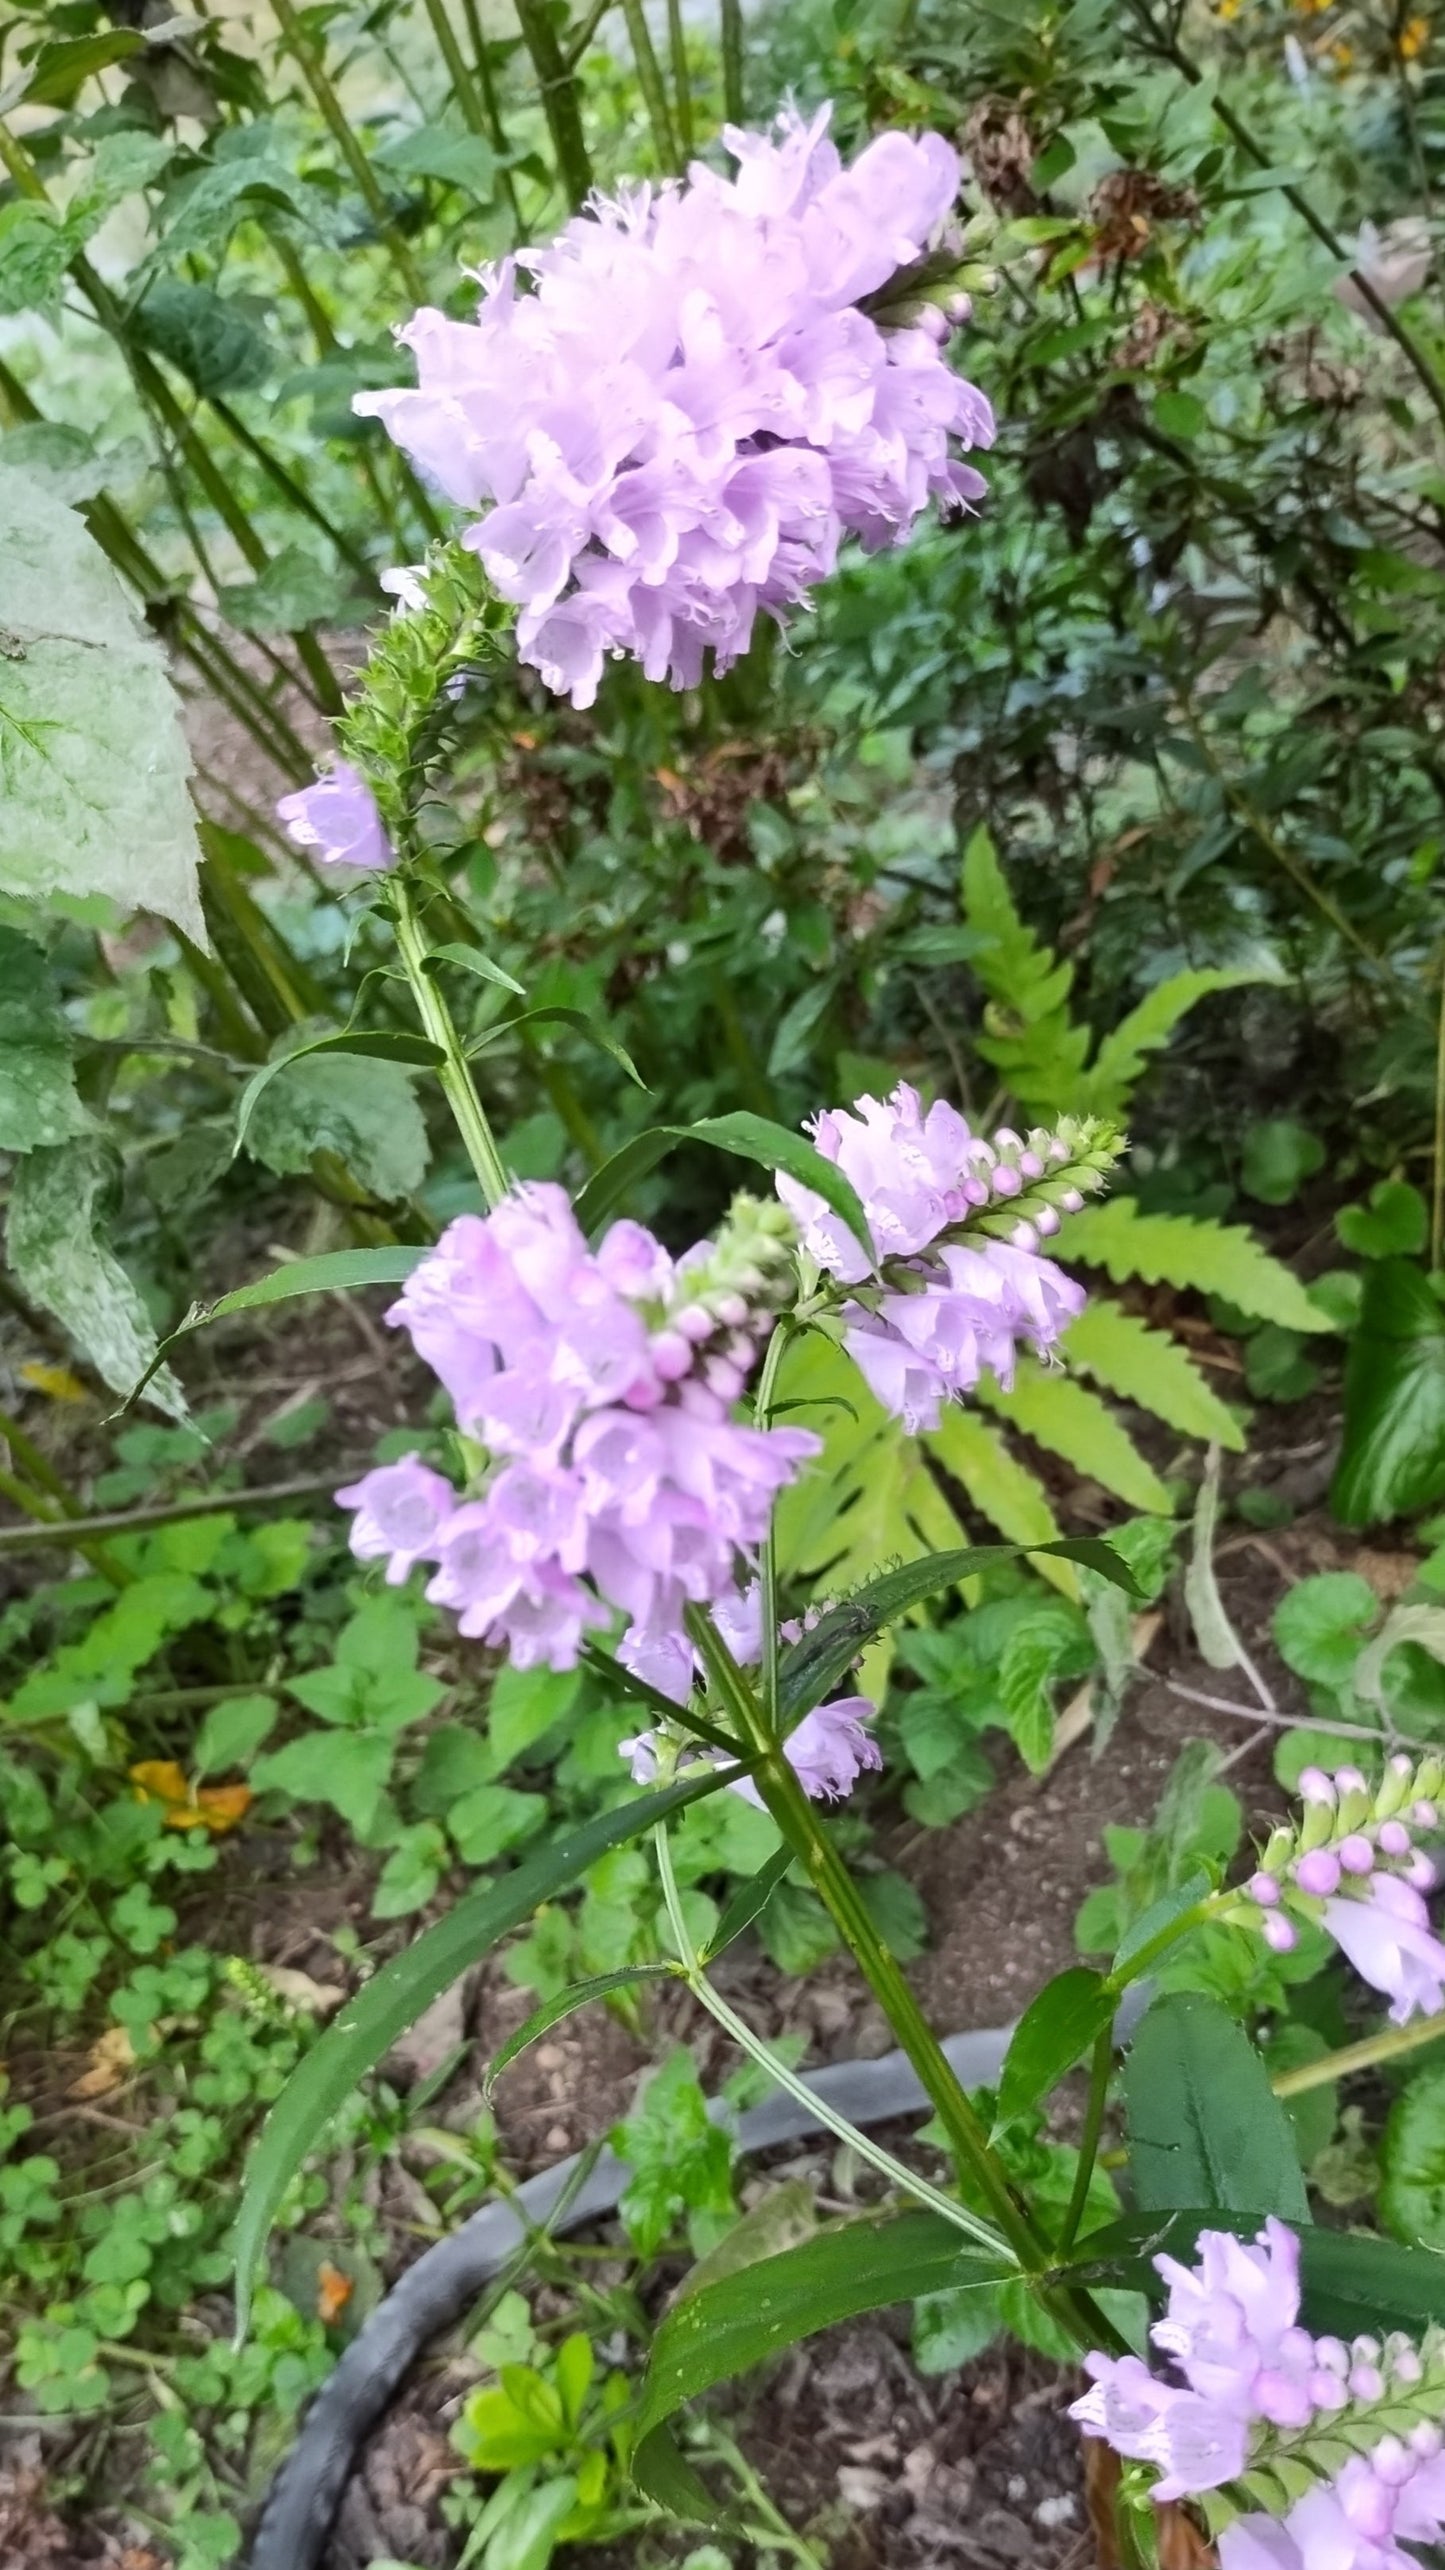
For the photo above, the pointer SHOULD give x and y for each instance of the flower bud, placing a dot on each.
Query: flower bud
(695, 1322)
(1024, 1236)
(671, 1355)
(1264, 1889)
(1006, 1180)
(1318, 1873)
(1394, 1838)
(1356, 1854)
(1280, 1934)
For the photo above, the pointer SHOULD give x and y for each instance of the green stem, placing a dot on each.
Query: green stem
(318, 80)
(681, 76)
(650, 82)
(45, 1513)
(731, 35)
(1390, 2046)
(292, 491)
(464, 88)
(39, 1467)
(436, 1018)
(559, 99)
(797, 1819)
(73, 1528)
(1099, 2073)
(491, 104)
(768, 1565)
(906, 2179)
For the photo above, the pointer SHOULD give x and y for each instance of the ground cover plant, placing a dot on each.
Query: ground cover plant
(722, 1086)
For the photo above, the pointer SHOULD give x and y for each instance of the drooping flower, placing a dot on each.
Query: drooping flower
(954, 1299)
(1359, 2520)
(680, 422)
(600, 1383)
(1352, 1866)
(337, 823)
(828, 1750)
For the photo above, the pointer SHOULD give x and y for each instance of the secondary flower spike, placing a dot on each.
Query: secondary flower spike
(956, 1218)
(1351, 1866)
(673, 414)
(337, 823)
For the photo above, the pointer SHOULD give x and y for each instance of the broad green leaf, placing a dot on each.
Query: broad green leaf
(35, 255)
(294, 590)
(59, 1258)
(395, 1997)
(1056, 2028)
(38, 1102)
(64, 459)
(578, 1994)
(1412, 2190)
(1354, 2283)
(1321, 1626)
(232, 1732)
(492, 1818)
(1109, 1083)
(1151, 1369)
(466, 161)
(1393, 1458)
(1277, 1157)
(412, 1050)
(1200, 1257)
(1395, 1223)
(93, 757)
(746, 1137)
(207, 336)
(1205, 2127)
(737, 2323)
(60, 67)
(344, 1769)
(365, 1110)
(1069, 1420)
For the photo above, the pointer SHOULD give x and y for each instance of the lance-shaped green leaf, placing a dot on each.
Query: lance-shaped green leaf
(586, 1027)
(565, 2003)
(336, 1271)
(1205, 2127)
(1057, 2026)
(738, 2322)
(470, 959)
(746, 1137)
(1354, 2282)
(395, 1997)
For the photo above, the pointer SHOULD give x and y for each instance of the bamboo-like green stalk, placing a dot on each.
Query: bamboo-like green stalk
(681, 76)
(311, 64)
(464, 88)
(560, 104)
(279, 987)
(454, 1073)
(731, 48)
(496, 126)
(292, 491)
(651, 84)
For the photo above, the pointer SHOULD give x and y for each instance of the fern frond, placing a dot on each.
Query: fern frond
(1108, 1085)
(1071, 1421)
(1010, 961)
(869, 1500)
(1150, 1369)
(1202, 1257)
(1007, 1493)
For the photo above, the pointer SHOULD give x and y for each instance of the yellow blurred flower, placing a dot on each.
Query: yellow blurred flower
(1342, 55)
(213, 1807)
(1414, 37)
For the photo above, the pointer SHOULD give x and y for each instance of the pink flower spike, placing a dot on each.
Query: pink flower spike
(1384, 1931)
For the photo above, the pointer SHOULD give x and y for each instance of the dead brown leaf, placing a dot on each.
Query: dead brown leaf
(109, 2058)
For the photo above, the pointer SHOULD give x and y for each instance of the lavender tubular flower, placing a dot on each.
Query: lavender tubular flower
(1352, 1867)
(600, 1384)
(1249, 2389)
(337, 823)
(677, 427)
(956, 1299)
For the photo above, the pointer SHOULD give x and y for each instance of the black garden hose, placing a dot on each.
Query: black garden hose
(434, 2293)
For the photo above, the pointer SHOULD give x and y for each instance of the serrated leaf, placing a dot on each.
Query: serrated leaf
(1205, 2127)
(384, 1046)
(38, 1102)
(1147, 1367)
(1412, 2190)
(1069, 1420)
(293, 591)
(363, 1109)
(344, 1769)
(59, 1258)
(1010, 961)
(1010, 1496)
(1026, 1669)
(93, 758)
(396, 1996)
(1107, 1086)
(205, 335)
(1199, 1257)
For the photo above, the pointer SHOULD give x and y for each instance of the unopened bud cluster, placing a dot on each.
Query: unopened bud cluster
(1352, 1865)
